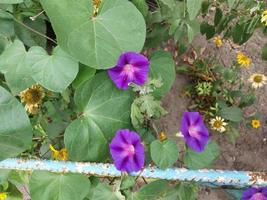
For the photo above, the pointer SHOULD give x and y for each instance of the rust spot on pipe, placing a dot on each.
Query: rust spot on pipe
(258, 177)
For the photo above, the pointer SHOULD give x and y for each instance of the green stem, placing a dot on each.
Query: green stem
(31, 29)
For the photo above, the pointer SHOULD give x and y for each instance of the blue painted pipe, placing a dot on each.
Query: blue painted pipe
(205, 176)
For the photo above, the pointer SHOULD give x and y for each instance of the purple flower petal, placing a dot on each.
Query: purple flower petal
(255, 194)
(131, 68)
(194, 131)
(127, 151)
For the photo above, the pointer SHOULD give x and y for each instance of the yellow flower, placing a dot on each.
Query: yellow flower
(218, 124)
(32, 97)
(257, 80)
(59, 155)
(162, 136)
(3, 195)
(243, 60)
(218, 41)
(255, 123)
(264, 18)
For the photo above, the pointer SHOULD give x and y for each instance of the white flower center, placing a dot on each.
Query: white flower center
(130, 149)
(258, 196)
(128, 68)
(193, 131)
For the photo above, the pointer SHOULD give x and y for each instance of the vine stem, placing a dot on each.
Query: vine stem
(31, 29)
(33, 18)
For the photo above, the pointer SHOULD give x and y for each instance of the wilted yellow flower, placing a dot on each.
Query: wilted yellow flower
(218, 124)
(218, 41)
(243, 60)
(3, 195)
(264, 18)
(97, 3)
(32, 97)
(257, 80)
(162, 136)
(255, 123)
(59, 155)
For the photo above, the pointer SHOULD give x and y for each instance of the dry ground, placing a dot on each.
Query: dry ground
(250, 150)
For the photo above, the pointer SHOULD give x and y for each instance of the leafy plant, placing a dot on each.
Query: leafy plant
(76, 74)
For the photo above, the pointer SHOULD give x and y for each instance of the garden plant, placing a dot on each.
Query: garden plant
(83, 81)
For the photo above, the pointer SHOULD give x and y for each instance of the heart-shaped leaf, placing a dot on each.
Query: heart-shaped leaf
(55, 72)
(165, 153)
(96, 40)
(15, 129)
(85, 73)
(193, 8)
(104, 110)
(47, 185)
(195, 160)
(162, 67)
(103, 191)
(13, 61)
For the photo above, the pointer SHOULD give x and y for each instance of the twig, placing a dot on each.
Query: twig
(33, 18)
(31, 29)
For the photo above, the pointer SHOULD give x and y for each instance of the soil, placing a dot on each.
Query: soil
(250, 151)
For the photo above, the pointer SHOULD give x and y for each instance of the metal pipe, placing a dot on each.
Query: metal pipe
(205, 176)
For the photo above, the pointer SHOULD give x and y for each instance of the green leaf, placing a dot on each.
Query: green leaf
(149, 106)
(13, 61)
(137, 118)
(4, 173)
(195, 160)
(85, 140)
(231, 3)
(152, 191)
(11, 1)
(103, 192)
(15, 129)
(162, 67)
(218, 16)
(85, 73)
(247, 100)
(193, 8)
(244, 30)
(233, 134)
(205, 6)
(105, 109)
(158, 35)
(47, 185)
(13, 193)
(127, 182)
(264, 52)
(187, 191)
(28, 37)
(164, 154)
(55, 72)
(18, 178)
(142, 6)
(6, 27)
(96, 41)
(232, 113)
(193, 29)
(169, 3)
(3, 43)
(207, 29)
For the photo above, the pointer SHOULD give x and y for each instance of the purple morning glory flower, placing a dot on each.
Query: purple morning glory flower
(194, 131)
(131, 68)
(255, 194)
(127, 151)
